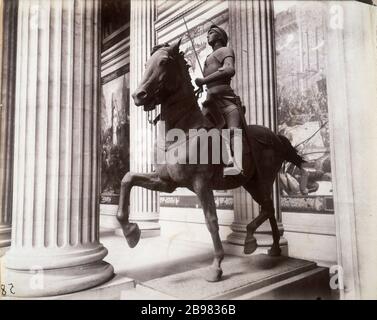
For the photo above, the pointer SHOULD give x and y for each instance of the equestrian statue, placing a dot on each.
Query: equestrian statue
(167, 82)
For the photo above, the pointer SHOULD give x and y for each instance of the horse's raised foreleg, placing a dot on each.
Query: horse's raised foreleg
(150, 181)
(205, 195)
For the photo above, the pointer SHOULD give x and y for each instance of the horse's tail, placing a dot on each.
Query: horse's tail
(290, 152)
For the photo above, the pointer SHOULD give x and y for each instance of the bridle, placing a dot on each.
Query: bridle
(157, 93)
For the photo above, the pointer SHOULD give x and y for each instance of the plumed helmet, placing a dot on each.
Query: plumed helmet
(220, 31)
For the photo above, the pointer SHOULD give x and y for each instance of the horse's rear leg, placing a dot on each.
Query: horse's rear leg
(275, 250)
(149, 181)
(205, 195)
(267, 212)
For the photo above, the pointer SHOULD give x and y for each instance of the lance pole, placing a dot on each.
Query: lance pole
(193, 47)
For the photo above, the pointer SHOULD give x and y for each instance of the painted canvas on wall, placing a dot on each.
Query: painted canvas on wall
(114, 137)
(302, 115)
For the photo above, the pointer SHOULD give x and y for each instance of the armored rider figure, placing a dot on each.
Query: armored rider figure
(223, 105)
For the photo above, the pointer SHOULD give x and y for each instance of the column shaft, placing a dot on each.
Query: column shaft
(251, 25)
(56, 158)
(144, 203)
(352, 94)
(8, 33)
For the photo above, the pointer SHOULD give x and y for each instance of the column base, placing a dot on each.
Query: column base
(43, 272)
(236, 240)
(5, 238)
(44, 283)
(147, 222)
(263, 239)
(238, 250)
(3, 250)
(148, 229)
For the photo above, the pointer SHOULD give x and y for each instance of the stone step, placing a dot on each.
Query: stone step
(309, 285)
(255, 277)
(141, 292)
(110, 290)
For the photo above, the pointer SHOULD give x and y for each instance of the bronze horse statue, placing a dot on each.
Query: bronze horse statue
(166, 81)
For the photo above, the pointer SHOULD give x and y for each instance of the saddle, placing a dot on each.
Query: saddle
(255, 139)
(258, 133)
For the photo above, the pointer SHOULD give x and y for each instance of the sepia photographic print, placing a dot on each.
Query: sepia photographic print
(188, 150)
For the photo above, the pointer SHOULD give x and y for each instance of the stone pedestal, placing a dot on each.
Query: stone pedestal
(251, 35)
(55, 229)
(8, 34)
(245, 278)
(144, 204)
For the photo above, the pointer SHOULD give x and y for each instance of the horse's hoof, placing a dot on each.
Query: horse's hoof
(274, 251)
(250, 245)
(213, 274)
(132, 234)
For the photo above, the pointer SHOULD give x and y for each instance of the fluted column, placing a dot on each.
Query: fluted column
(144, 204)
(352, 94)
(251, 34)
(8, 34)
(55, 226)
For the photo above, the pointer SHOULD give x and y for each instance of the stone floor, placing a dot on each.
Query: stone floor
(164, 268)
(154, 257)
(158, 262)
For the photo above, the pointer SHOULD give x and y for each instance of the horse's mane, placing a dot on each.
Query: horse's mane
(182, 63)
(184, 67)
(158, 47)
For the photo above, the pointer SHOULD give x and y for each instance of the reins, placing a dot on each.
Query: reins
(159, 117)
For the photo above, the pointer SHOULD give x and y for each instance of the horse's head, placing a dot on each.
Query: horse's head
(161, 77)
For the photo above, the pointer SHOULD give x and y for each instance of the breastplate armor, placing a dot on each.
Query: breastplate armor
(212, 64)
